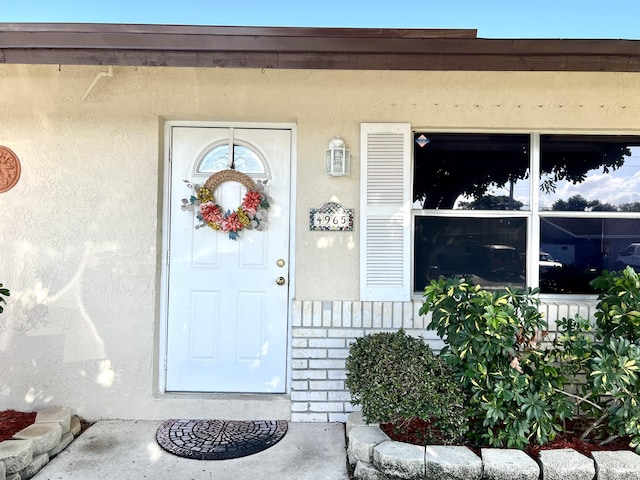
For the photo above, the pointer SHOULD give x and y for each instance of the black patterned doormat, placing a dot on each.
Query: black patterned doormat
(219, 439)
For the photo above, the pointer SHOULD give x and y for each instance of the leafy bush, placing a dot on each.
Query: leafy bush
(618, 309)
(574, 343)
(4, 292)
(608, 356)
(614, 381)
(493, 342)
(397, 378)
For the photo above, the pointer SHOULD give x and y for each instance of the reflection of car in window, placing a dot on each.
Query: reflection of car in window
(629, 256)
(495, 262)
(546, 262)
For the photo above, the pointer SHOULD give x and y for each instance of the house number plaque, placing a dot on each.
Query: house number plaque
(331, 217)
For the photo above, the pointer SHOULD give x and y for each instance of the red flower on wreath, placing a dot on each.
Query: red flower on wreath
(231, 223)
(252, 201)
(211, 212)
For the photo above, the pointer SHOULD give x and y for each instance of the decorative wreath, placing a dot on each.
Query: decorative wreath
(250, 214)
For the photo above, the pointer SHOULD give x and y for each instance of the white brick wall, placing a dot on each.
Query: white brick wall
(324, 330)
(322, 334)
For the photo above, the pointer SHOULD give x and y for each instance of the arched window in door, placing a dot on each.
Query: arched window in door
(246, 159)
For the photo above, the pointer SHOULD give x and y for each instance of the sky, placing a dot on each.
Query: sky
(617, 187)
(612, 19)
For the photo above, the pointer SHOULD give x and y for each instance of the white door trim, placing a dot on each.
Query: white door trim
(161, 323)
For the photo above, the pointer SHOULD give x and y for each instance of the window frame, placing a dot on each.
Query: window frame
(533, 215)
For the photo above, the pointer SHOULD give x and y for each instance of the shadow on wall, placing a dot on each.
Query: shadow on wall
(44, 329)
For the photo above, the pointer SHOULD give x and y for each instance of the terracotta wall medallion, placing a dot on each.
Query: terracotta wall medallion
(9, 169)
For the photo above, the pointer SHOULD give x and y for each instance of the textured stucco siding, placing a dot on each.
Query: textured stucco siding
(81, 233)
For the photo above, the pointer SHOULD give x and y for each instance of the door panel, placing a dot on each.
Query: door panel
(227, 316)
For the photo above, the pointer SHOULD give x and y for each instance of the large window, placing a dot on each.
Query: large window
(490, 250)
(513, 209)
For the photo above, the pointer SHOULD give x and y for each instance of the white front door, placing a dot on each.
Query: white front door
(228, 299)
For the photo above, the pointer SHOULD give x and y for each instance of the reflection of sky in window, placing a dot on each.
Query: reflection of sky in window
(616, 187)
(217, 159)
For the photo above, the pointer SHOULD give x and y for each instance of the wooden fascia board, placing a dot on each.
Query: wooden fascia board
(275, 60)
(309, 48)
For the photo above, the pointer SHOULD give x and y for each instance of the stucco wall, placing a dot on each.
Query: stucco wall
(81, 232)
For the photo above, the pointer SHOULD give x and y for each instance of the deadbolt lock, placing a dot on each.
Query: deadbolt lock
(280, 262)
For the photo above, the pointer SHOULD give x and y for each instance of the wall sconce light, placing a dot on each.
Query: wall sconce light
(337, 158)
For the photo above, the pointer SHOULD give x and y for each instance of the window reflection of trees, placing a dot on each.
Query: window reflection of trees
(491, 173)
(453, 165)
(573, 157)
(481, 171)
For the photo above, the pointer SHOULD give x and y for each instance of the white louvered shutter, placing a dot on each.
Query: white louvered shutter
(385, 211)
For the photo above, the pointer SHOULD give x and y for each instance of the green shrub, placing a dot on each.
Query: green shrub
(610, 391)
(493, 341)
(618, 310)
(574, 343)
(397, 378)
(614, 381)
(615, 362)
(4, 292)
(607, 355)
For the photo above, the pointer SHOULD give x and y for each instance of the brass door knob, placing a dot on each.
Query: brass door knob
(280, 281)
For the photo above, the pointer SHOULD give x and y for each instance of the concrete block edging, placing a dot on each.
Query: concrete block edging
(31, 448)
(376, 457)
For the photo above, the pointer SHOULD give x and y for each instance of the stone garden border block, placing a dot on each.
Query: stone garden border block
(76, 426)
(508, 464)
(366, 471)
(355, 419)
(60, 415)
(452, 463)
(362, 440)
(396, 460)
(16, 454)
(34, 467)
(619, 465)
(399, 460)
(65, 441)
(566, 464)
(31, 448)
(44, 436)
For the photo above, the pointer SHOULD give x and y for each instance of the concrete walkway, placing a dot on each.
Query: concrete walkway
(128, 450)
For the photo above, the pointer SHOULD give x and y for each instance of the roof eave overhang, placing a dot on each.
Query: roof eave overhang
(305, 48)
